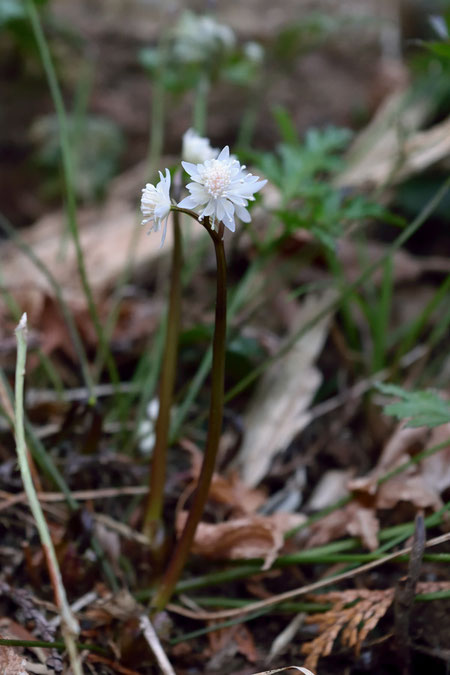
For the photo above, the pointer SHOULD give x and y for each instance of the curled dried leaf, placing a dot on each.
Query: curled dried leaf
(251, 537)
(228, 490)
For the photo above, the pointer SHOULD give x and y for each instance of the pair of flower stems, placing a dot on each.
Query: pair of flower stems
(220, 190)
(153, 525)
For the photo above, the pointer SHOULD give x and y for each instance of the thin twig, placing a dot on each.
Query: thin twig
(155, 645)
(70, 627)
(81, 495)
(81, 603)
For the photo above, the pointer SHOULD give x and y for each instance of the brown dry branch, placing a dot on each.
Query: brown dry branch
(354, 620)
(355, 613)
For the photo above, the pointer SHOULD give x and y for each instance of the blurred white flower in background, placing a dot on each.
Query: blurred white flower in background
(155, 204)
(197, 149)
(199, 37)
(254, 52)
(221, 188)
(146, 432)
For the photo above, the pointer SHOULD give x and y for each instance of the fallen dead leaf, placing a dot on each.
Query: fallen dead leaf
(225, 642)
(403, 442)
(407, 267)
(411, 489)
(12, 630)
(420, 485)
(435, 470)
(228, 490)
(353, 519)
(331, 487)
(391, 148)
(106, 237)
(254, 536)
(364, 524)
(11, 663)
(278, 410)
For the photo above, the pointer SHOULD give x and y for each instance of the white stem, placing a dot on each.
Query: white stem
(155, 645)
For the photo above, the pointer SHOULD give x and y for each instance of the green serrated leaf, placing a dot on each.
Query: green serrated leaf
(420, 408)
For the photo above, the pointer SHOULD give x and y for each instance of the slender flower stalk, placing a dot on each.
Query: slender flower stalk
(220, 190)
(152, 518)
(184, 544)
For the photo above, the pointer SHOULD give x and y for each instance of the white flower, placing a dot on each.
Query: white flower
(221, 188)
(155, 204)
(254, 52)
(146, 432)
(200, 38)
(197, 148)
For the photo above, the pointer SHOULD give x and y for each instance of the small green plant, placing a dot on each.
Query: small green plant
(419, 408)
(303, 172)
(441, 26)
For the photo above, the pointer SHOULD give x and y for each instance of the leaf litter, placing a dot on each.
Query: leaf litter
(277, 416)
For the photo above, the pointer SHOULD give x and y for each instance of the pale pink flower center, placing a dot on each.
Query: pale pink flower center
(216, 178)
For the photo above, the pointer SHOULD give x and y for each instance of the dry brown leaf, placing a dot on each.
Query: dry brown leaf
(407, 267)
(11, 663)
(245, 643)
(331, 487)
(359, 517)
(228, 490)
(239, 635)
(353, 519)
(391, 148)
(418, 486)
(278, 410)
(12, 630)
(251, 537)
(396, 451)
(435, 470)
(364, 524)
(106, 235)
(411, 489)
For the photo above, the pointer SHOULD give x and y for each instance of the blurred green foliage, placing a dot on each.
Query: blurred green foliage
(303, 172)
(97, 143)
(419, 408)
(14, 21)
